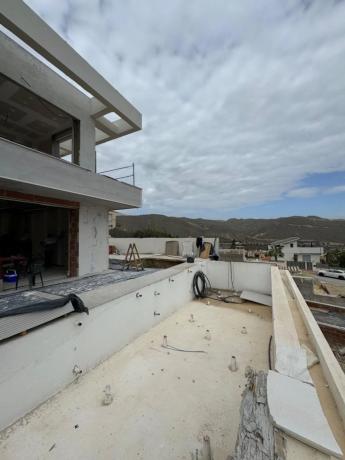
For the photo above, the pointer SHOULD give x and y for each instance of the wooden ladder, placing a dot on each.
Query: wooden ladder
(132, 258)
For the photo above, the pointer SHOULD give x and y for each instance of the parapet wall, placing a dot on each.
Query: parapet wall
(157, 245)
(239, 276)
(37, 365)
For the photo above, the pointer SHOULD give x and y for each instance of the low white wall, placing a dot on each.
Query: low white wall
(156, 245)
(251, 276)
(36, 366)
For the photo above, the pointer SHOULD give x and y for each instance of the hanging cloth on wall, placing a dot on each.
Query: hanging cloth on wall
(76, 302)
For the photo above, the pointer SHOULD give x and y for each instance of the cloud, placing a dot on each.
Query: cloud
(240, 100)
(303, 192)
(334, 190)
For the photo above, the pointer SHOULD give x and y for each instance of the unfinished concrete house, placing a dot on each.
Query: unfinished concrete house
(54, 206)
(199, 360)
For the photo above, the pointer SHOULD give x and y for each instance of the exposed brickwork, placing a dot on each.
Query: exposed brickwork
(73, 242)
(27, 197)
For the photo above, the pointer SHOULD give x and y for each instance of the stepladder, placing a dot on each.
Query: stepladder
(132, 259)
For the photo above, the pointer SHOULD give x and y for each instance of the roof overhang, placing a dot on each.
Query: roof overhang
(23, 22)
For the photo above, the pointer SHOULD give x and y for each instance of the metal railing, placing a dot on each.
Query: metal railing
(131, 166)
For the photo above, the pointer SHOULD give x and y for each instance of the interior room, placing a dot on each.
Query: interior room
(33, 241)
(29, 120)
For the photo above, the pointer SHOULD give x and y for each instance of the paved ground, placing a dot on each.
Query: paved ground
(330, 318)
(326, 280)
(305, 285)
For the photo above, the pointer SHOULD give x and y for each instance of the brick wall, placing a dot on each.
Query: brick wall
(73, 242)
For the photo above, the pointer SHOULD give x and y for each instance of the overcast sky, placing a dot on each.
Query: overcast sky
(243, 102)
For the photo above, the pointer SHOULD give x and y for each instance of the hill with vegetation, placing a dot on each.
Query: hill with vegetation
(254, 230)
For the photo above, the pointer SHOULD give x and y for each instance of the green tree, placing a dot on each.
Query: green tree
(152, 233)
(342, 259)
(336, 258)
(276, 252)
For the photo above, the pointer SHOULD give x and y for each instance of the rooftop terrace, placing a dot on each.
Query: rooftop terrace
(150, 373)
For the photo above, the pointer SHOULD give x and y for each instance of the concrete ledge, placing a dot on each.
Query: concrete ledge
(289, 358)
(34, 172)
(112, 292)
(332, 371)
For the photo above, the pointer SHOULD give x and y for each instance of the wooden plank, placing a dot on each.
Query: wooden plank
(255, 439)
(205, 253)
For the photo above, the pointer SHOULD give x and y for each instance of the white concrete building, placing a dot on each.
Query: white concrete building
(53, 205)
(296, 250)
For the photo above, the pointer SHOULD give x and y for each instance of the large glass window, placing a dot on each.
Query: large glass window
(29, 120)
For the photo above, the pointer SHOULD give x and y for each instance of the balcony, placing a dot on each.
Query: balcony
(26, 170)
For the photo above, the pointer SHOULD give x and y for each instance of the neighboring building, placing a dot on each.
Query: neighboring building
(53, 204)
(296, 250)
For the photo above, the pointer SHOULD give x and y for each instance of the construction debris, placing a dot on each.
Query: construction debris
(257, 297)
(255, 439)
(312, 359)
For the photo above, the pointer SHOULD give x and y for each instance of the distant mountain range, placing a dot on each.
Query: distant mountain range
(259, 230)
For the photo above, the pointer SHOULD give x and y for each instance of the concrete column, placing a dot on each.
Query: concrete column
(93, 239)
(87, 155)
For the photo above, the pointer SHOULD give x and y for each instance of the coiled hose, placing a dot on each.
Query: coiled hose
(201, 285)
(202, 289)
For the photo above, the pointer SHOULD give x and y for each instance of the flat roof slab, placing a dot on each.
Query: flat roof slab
(165, 401)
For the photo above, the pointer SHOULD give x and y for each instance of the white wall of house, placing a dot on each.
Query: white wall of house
(304, 254)
(93, 239)
(30, 171)
(311, 253)
(157, 245)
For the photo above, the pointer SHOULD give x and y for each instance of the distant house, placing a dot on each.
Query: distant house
(296, 250)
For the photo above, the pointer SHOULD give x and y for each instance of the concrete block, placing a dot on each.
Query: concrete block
(257, 297)
(295, 409)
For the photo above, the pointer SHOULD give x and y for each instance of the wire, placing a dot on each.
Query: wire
(269, 354)
(201, 292)
(170, 347)
(202, 288)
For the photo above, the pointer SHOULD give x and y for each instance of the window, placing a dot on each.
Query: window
(29, 120)
(65, 144)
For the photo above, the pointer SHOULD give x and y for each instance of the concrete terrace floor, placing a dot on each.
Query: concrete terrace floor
(165, 401)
